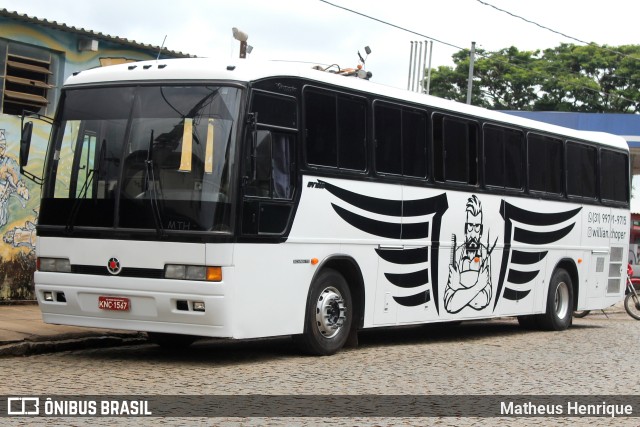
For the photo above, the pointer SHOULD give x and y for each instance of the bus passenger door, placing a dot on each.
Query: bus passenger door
(417, 276)
(389, 253)
(269, 184)
(269, 165)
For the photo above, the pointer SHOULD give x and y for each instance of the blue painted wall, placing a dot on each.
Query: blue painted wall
(617, 124)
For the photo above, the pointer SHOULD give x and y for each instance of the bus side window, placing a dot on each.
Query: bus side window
(581, 170)
(270, 183)
(503, 155)
(321, 129)
(614, 184)
(545, 164)
(260, 184)
(272, 174)
(282, 165)
(335, 130)
(400, 140)
(455, 146)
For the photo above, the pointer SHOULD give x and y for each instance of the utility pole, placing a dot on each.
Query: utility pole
(429, 67)
(409, 79)
(471, 59)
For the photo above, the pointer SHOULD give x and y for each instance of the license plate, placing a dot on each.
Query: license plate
(114, 303)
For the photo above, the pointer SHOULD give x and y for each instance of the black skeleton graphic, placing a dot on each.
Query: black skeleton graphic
(469, 282)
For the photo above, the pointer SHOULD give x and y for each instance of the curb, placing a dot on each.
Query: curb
(28, 348)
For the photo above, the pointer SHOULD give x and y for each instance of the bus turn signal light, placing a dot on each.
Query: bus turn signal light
(214, 274)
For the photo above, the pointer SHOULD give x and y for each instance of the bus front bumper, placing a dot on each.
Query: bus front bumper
(169, 306)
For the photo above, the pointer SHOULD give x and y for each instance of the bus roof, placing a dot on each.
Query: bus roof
(246, 70)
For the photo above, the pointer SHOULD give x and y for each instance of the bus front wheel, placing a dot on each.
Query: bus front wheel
(328, 315)
(559, 302)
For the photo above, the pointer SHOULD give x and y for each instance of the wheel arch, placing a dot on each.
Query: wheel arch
(569, 265)
(350, 270)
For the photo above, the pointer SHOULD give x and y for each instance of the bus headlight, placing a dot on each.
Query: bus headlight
(193, 272)
(174, 271)
(58, 265)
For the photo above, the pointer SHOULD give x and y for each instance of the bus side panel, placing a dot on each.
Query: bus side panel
(460, 255)
(606, 233)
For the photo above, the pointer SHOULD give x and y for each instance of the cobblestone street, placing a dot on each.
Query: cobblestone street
(595, 356)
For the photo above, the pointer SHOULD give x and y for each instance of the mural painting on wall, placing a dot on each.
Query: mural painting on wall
(19, 197)
(18, 218)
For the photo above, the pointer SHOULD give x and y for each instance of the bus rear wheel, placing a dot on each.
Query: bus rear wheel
(559, 311)
(328, 314)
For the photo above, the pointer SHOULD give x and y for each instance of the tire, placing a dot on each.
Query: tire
(328, 315)
(580, 314)
(171, 341)
(559, 303)
(632, 305)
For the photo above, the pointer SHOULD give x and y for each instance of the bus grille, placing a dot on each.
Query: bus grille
(615, 270)
(95, 270)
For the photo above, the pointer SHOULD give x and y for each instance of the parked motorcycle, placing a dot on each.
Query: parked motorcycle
(631, 300)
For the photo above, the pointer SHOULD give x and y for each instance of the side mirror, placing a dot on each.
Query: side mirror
(25, 143)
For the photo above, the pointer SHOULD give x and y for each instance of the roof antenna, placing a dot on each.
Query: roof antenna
(160, 50)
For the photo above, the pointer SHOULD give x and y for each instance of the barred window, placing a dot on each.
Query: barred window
(28, 81)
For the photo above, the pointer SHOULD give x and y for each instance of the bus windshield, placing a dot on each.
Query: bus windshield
(142, 157)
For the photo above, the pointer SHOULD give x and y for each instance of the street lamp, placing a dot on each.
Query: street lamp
(242, 37)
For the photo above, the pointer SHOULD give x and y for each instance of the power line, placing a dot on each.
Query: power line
(479, 54)
(558, 32)
(391, 25)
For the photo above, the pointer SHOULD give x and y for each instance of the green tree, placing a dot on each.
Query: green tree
(565, 78)
(451, 82)
(507, 79)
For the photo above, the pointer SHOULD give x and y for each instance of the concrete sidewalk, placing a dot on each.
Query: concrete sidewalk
(22, 333)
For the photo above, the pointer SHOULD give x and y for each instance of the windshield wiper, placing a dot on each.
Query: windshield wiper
(149, 176)
(83, 191)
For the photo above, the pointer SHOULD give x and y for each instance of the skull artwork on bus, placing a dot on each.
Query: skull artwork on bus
(469, 283)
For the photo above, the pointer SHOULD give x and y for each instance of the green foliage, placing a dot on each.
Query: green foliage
(565, 78)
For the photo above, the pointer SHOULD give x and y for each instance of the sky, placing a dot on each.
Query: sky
(318, 32)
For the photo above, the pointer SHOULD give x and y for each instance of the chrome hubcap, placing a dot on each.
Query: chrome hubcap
(562, 300)
(330, 312)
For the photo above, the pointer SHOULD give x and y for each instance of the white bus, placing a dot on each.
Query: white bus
(190, 198)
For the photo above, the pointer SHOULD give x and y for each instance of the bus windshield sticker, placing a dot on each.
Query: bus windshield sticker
(187, 144)
(208, 156)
